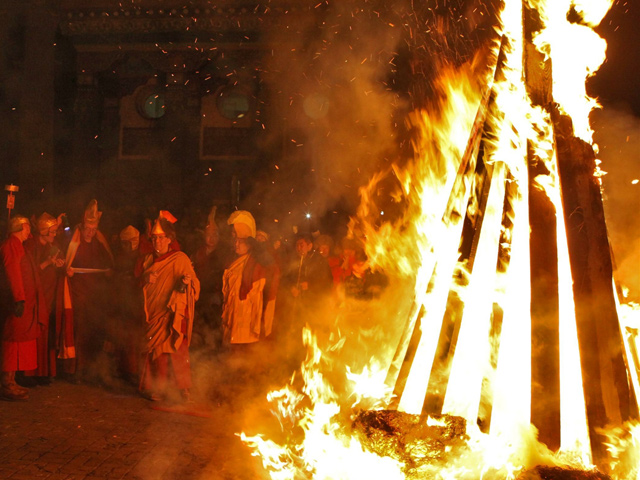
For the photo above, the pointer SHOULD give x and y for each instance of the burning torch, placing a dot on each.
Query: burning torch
(11, 199)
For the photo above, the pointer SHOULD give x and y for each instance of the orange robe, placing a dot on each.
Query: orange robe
(242, 312)
(169, 320)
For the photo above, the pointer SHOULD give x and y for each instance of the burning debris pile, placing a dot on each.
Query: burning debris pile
(417, 443)
(557, 473)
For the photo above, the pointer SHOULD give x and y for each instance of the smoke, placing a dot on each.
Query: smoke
(617, 133)
(331, 106)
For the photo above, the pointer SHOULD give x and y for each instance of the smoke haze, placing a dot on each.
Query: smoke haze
(617, 132)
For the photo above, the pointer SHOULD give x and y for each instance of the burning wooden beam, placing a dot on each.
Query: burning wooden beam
(545, 313)
(607, 390)
(455, 211)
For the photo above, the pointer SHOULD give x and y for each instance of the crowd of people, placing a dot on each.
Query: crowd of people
(77, 302)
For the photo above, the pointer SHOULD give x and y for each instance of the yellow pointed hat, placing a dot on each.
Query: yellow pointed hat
(91, 214)
(44, 222)
(243, 223)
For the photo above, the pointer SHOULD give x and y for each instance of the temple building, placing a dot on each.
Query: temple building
(163, 98)
(163, 101)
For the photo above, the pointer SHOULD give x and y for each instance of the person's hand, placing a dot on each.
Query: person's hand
(304, 286)
(18, 308)
(70, 272)
(59, 262)
(51, 260)
(186, 279)
(295, 292)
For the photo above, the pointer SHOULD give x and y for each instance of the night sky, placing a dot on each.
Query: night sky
(617, 134)
(618, 80)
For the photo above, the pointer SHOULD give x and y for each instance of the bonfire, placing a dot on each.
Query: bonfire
(502, 349)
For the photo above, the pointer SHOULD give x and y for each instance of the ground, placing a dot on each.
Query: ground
(80, 432)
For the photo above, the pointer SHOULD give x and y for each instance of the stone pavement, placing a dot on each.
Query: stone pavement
(83, 432)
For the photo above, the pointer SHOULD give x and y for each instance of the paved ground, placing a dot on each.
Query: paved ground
(74, 432)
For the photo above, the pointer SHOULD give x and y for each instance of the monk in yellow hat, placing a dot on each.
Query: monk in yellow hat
(88, 262)
(170, 288)
(249, 305)
(48, 257)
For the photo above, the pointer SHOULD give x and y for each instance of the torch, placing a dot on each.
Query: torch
(11, 199)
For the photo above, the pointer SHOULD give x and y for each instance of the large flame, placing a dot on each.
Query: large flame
(492, 360)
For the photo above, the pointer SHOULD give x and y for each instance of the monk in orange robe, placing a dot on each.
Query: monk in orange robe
(171, 288)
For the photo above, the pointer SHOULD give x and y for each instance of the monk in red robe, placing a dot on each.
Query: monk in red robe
(126, 330)
(89, 261)
(49, 259)
(24, 310)
(209, 262)
(171, 288)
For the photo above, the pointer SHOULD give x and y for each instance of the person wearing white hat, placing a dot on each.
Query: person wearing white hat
(245, 316)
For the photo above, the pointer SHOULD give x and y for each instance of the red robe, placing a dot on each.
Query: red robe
(49, 276)
(86, 295)
(20, 283)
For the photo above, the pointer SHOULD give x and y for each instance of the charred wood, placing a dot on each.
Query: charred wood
(607, 391)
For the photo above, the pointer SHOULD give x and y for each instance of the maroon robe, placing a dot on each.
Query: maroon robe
(90, 302)
(21, 282)
(49, 276)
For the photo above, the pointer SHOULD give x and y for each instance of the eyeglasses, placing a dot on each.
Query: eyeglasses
(158, 237)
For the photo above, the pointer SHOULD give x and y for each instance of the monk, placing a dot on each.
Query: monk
(170, 288)
(209, 262)
(125, 330)
(89, 262)
(23, 310)
(247, 313)
(49, 259)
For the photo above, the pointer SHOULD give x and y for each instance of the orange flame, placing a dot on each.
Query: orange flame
(437, 189)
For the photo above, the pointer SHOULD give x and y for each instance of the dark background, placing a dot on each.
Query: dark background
(618, 80)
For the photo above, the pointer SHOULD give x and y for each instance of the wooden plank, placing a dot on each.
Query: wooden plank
(455, 208)
(545, 316)
(605, 380)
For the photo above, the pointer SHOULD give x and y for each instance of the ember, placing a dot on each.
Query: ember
(556, 473)
(408, 438)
